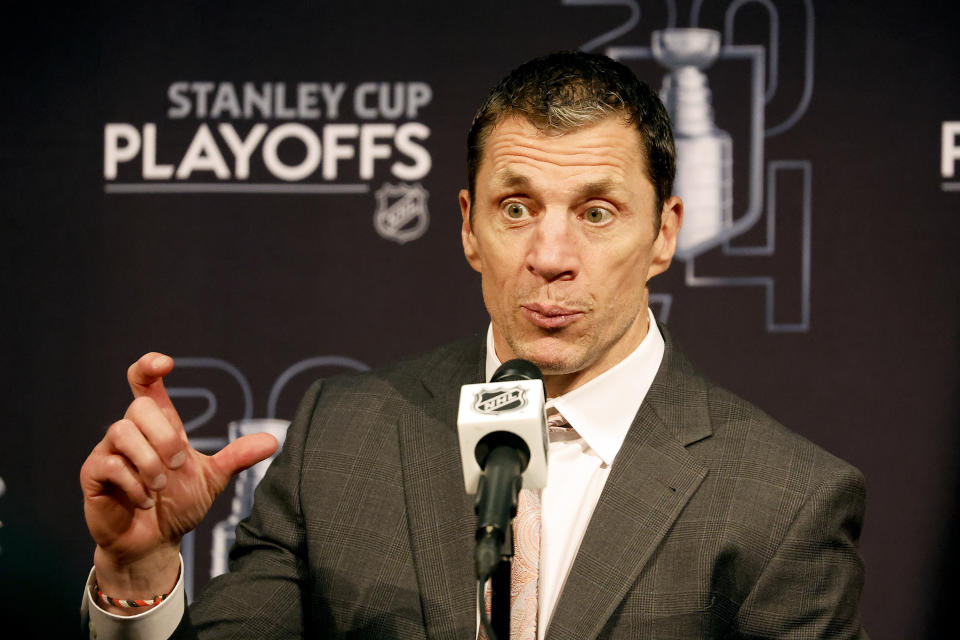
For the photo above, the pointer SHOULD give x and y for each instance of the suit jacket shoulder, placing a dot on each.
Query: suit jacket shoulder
(727, 525)
(361, 526)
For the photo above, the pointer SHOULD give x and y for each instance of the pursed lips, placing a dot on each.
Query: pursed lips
(550, 316)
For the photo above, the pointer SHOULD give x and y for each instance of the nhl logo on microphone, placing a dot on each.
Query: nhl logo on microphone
(514, 407)
(499, 401)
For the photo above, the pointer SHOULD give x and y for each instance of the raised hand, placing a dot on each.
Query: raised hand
(145, 487)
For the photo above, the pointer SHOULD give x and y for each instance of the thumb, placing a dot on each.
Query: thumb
(244, 452)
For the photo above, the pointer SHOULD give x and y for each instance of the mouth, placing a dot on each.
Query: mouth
(550, 316)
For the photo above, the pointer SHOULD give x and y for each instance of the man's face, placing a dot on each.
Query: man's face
(563, 236)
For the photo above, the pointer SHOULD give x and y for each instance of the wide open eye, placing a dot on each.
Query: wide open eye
(516, 211)
(597, 215)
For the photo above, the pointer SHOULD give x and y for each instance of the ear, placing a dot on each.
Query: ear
(469, 240)
(665, 245)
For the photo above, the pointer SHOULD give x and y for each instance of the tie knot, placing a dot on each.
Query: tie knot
(556, 422)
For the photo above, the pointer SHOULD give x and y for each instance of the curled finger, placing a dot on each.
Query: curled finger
(167, 439)
(126, 438)
(107, 472)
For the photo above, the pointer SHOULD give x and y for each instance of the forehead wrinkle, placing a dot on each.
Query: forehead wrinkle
(513, 169)
(508, 171)
(588, 153)
(598, 136)
(610, 179)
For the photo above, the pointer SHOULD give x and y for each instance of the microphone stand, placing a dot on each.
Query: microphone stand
(496, 510)
(500, 590)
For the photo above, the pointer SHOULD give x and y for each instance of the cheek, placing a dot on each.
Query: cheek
(493, 288)
(501, 263)
(621, 270)
(622, 287)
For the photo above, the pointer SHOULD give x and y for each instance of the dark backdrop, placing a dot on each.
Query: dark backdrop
(835, 310)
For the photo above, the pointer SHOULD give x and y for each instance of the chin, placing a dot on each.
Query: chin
(551, 360)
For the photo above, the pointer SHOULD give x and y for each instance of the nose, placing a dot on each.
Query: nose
(553, 254)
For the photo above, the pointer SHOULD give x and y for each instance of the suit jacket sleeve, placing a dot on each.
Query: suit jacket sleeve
(810, 587)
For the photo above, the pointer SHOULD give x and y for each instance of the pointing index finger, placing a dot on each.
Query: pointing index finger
(150, 368)
(145, 377)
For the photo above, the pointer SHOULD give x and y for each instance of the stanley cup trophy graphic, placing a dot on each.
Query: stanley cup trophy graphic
(246, 481)
(748, 72)
(704, 152)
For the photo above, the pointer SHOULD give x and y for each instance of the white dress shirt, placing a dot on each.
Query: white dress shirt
(600, 413)
(157, 622)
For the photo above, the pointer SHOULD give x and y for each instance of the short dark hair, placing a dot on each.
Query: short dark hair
(567, 90)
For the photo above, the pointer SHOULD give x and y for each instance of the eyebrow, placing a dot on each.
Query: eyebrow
(510, 178)
(599, 187)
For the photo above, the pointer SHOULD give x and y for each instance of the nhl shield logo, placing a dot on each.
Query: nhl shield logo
(500, 400)
(401, 213)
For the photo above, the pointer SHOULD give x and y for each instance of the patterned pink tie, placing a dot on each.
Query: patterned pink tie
(524, 571)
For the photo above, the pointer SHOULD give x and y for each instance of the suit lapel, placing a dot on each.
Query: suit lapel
(440, 512)
(651, 480)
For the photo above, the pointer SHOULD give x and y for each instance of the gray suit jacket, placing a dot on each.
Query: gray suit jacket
(715, 521)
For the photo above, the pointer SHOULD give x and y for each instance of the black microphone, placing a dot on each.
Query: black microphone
(503, 446)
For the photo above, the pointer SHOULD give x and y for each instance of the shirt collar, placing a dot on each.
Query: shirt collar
(602, 410)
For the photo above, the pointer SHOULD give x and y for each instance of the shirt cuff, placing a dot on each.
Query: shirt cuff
(157, 622)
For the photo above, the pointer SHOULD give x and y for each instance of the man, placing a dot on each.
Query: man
(673, 508)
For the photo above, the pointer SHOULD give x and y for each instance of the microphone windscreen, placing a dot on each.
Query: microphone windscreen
(516, 369)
